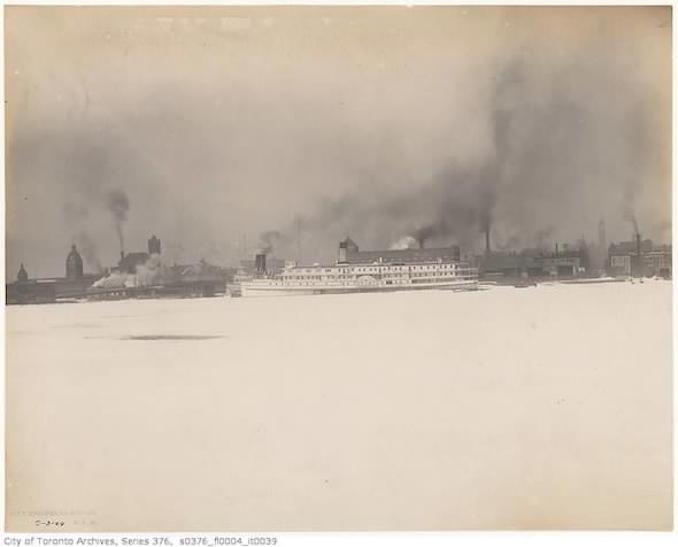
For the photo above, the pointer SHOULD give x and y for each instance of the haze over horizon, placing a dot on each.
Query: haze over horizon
(203, 124)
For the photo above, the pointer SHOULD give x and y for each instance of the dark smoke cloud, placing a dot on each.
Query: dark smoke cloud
(268, 241)
(117, 203)
(629, 216)
(424, 233)
(558, 150)
(379, 125)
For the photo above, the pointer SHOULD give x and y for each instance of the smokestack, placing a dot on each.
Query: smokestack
(122, 255)
(638, 244)
(421, 241)
(639, 259)
(260, 263)
(488, 249)
(556, 249)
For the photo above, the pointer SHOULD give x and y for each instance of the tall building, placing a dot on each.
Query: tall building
(73, 264)
(154, 245)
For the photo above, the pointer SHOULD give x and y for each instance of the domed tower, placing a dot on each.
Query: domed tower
(73, 264)
(22, 276)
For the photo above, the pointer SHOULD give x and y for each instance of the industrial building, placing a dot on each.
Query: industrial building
(201, 279)
(639, 258)
(498, 266)
(536, 264)
(155, 280)
(349, 253)
(131, 261)
(562, 263)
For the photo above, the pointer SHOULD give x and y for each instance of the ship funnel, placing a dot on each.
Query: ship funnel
(260, 263)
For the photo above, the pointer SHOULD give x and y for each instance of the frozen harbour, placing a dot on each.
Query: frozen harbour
(544, 407)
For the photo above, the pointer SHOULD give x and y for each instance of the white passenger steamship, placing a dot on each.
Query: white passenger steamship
(367, 271)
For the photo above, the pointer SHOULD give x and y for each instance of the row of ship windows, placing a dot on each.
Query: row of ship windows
(392, 269)
(307, 282)
(385, 276)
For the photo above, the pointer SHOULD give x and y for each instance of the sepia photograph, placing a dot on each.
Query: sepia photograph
(338, 269)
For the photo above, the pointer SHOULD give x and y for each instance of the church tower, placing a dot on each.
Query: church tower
(73, 264)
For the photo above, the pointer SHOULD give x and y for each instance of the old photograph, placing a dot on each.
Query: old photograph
(350, 268)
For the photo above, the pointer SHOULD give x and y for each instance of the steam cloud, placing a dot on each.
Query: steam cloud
(152, 272)
(407, 242)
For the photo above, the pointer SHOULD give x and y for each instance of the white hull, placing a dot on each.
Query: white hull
(265, 287)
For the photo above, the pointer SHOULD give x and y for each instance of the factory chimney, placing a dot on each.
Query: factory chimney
(487, 237)
(639, 258)
(602, 245)
(556, 249)
(602, 239)
(638, 244)
(421, 241)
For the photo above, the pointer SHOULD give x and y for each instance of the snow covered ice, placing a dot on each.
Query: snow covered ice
(543, 407)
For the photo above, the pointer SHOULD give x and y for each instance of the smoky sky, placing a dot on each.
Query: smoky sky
(232, 130)
(118, 205)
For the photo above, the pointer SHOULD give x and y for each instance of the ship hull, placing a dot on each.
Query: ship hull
(255, 289)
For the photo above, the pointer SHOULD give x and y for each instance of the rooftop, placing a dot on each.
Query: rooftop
(402, 255)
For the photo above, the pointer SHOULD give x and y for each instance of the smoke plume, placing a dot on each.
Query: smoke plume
(630, 217)
(269, 240)
(88, 249)
(118, 205)
(557, 151)
(383, 123)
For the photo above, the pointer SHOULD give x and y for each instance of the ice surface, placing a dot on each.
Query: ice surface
(544, 407)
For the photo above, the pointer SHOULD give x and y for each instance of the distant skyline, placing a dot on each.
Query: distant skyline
(205, 124)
